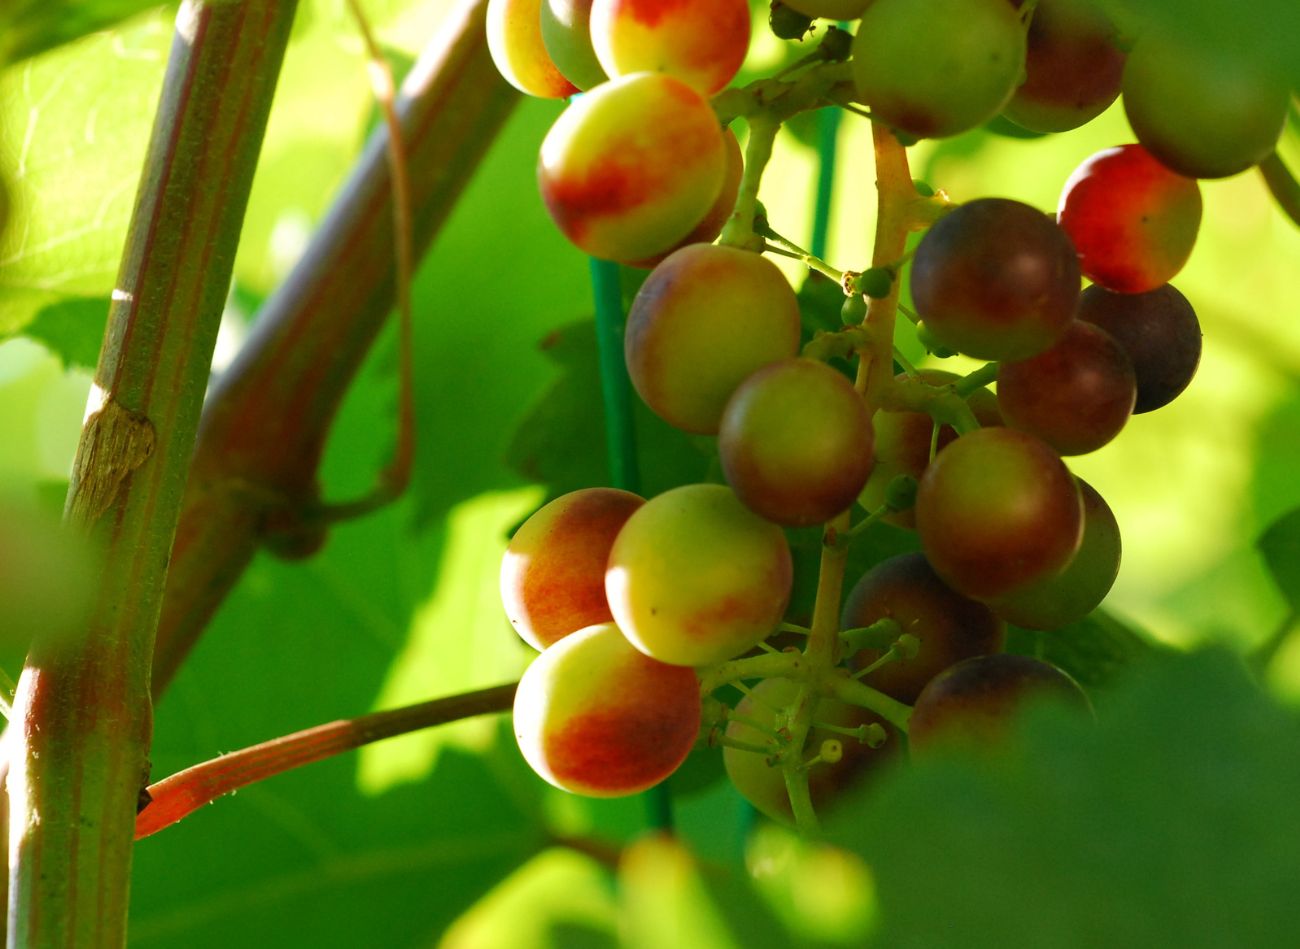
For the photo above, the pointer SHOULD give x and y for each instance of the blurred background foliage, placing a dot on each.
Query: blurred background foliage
(1172, 823)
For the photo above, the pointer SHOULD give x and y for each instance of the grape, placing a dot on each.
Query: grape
(696, 578)
(764, 785)
(950, 627)
(514, 38)
(971, 704)
(995, 279)
(701, 42)
(1072, 67)
(902, 441)
(553, 572)
(1160, 333)
(711, 226)
(829, 9)
(1059, 601)
(795, 442)
(703, 321)
(1076, 396)
(594, 716)
(566, 34)
(1132, 220)
(997, 510)
(933, 68)
(1204, 113)
(633, 166)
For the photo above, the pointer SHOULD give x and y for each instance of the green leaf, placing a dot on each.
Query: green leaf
(1279, 545)
(35, 26)
(75, 124)
(1096, 650)
(72, 329)
(1165, 824)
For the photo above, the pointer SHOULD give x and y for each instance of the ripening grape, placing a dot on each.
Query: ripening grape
(703, 321)
(950, 627)
(695, 577)
(902, 441)
(933, 68)
(995, 279)
(971, 704)
(701, 42)
(1069, 597)
(514, 38)
(1076, 396)
(795, 442)
(1132, 220)
(829, 9)
(567, 36)
(763, 785)
(1205, 112)
(1073, 67)
(632, 166)
(707, 231)
(596, 717)
(996, 511)
(1160, 333)
(553, 572)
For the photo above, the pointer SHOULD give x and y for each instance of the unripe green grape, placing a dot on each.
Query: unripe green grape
(514, 38)
(1205, 112)
(795, 442)
(566, 34)
(1072, 595)
(933, 68)
(996, 511)
(702, 42)
(695, 577)
(829, 9)
(553, 571)
(970, 705)
(764, 785)
(704, 320)
(632, 166)
(596, 717)
(949, 626)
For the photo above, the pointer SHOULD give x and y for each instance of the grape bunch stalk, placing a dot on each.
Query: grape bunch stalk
(663, 623)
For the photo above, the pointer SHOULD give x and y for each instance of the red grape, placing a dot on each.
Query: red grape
(701, 42)
(514, 38)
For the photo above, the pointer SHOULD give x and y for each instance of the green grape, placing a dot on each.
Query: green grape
(933, 68)
(695, 577)
(567, 36)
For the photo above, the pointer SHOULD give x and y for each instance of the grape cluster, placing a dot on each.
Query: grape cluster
(648, 612)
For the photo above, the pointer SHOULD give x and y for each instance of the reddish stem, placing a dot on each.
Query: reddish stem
(180, 794)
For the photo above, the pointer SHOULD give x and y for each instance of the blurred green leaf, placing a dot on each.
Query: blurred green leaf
(34, 26)
(1280, 547)
(72, 329)
(1097, 650)
(1166, 824)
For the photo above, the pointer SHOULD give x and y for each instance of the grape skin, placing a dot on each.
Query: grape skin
(701, 42)
(514, 38)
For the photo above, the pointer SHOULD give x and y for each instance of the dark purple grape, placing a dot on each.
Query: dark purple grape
(950, 627)
(1160, 333)
(996, 279)
(972, 703)
(1076, 396)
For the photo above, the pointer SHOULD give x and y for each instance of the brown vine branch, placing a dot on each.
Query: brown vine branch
(180, 794)
(1282, 185)
(264, 428)
(79, 741)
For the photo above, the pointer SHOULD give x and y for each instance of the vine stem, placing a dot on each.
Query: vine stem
(181, 794)
(1282, 185)
(78, 749)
